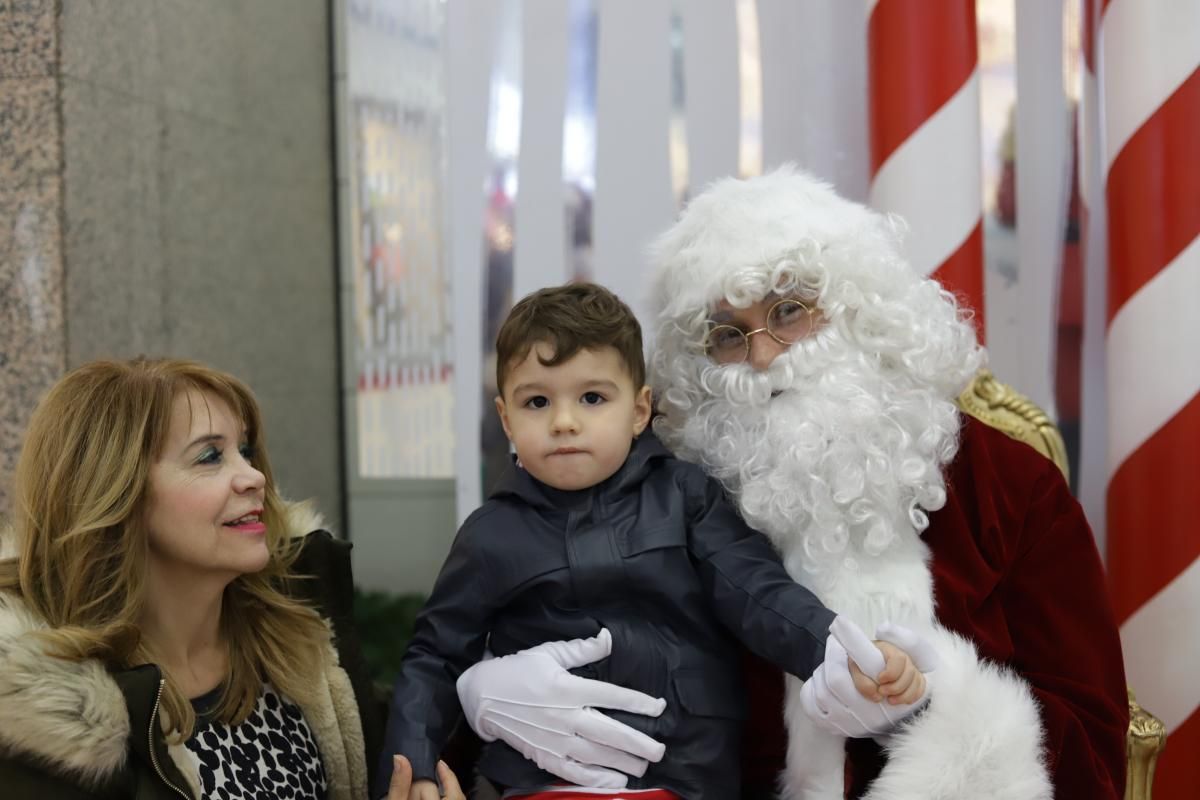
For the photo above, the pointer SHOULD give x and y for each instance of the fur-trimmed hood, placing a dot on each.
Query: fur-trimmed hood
(73, 718)
(69, 715)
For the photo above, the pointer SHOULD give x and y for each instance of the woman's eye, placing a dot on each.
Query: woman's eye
(592, 398)
(537, 401)
(210, 455)
(248, 452)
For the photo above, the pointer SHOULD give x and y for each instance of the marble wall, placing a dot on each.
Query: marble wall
(177, 200)
(32, 324)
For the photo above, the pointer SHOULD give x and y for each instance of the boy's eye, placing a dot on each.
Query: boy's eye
(592, 398)
(537, 401)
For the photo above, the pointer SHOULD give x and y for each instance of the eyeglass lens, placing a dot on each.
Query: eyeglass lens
(788, 321)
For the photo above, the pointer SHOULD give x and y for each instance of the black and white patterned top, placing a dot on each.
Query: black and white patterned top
(271, 754)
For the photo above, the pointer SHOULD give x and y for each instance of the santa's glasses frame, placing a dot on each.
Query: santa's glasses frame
(789, 320)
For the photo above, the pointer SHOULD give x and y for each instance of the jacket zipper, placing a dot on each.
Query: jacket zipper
(150, 739)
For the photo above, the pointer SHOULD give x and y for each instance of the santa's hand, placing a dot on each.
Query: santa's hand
(529, 701)
(830, 697)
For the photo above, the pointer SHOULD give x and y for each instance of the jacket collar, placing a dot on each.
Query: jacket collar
(141, 687)
(518, 484)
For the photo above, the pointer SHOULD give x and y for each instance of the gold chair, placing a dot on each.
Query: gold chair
(998, 405)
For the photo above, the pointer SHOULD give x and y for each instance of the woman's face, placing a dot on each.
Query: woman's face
(206, 497)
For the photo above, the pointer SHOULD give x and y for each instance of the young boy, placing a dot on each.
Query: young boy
(599, 526)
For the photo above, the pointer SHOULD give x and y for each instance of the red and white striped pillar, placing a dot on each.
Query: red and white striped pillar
(1149, 74)
(923, 104)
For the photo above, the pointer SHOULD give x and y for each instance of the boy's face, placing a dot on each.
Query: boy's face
(572, 424)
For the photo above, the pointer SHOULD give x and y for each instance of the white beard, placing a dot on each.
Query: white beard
(839, 467)
(836, 453)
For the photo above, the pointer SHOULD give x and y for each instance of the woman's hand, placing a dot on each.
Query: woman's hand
(403, 788)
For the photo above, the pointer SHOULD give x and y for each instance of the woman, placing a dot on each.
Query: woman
(168, 625)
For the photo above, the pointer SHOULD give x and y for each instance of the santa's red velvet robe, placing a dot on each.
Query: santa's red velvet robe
(1016, 572)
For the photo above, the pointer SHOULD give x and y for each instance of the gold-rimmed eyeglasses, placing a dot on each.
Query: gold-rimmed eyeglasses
(788, 321)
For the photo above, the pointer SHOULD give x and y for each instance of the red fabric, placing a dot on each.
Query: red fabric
(1006, 193)
(1015, 570)
(1069, 361)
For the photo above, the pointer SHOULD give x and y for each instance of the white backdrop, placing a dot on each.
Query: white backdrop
(764, 82)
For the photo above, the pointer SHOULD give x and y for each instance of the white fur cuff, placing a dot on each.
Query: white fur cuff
(980, 737)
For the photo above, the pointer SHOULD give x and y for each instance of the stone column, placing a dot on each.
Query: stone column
(32, 324)
(166, 189)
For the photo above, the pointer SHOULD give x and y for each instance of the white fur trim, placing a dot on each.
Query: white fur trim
(345, 709)
(68, 715)
(815, 759)
(335, 724)
(8, 542)
(302, 518)
(980, 738)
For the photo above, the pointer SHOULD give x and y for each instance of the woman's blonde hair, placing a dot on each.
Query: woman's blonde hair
(81, 492)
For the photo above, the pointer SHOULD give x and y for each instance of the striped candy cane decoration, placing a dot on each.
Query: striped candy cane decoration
(1150, 79)
(924, 120)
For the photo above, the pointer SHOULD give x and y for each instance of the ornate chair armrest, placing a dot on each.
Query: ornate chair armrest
(1146, 739)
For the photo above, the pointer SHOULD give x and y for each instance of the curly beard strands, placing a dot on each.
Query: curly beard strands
(834, 454)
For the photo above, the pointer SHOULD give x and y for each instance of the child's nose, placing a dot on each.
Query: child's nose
(565, 422)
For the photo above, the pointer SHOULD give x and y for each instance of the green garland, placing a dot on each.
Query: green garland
(385, 627)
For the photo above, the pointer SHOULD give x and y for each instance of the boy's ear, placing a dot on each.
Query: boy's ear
(502, 410)
(641, 410)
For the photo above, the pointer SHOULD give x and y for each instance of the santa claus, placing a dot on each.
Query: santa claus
(801, 361)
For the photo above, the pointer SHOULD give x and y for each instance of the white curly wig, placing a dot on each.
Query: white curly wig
(836, 450)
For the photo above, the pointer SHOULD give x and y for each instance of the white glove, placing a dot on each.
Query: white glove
(830, 698)
(530, 701)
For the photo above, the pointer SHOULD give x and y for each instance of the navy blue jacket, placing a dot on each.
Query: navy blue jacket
(657, 555)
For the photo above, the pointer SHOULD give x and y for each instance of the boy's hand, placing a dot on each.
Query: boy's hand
(834, 699)
(900, 682)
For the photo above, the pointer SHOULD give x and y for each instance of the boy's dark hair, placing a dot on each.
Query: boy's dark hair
(578, 316)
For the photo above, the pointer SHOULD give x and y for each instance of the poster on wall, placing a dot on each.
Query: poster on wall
(401, 322)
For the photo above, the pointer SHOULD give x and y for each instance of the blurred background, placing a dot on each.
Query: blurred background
(339, 200)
